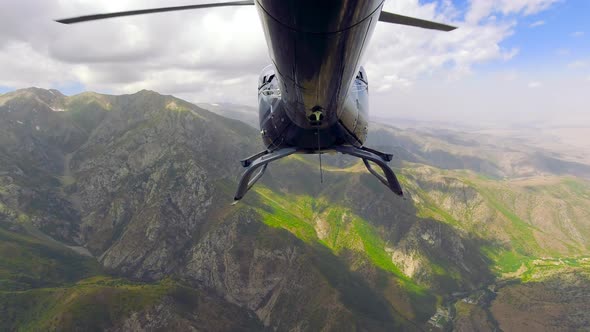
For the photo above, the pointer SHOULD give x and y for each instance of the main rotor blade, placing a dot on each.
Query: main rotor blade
(415, 22)
(153, 10)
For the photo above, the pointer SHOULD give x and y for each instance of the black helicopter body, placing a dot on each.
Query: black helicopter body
(314, 96)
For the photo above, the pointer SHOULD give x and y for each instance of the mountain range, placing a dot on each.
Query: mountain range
(115, 214)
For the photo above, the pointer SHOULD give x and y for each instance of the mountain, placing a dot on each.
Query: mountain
(115, 214)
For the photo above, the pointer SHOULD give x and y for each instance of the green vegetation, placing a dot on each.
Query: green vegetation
(290, 215)
(528, 228)
(522, 239)
(89, 305)
(27, 262)
(425, 204)
(86, 110)
(509, 208)
(579, 188)
(505, 260)
(336, 227)
(47, 287)
(544, 268)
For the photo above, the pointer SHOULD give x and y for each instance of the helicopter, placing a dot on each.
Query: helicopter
(314, 96)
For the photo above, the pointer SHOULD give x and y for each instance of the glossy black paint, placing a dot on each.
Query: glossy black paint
(316, 47)
(279, 131)
(314, 95)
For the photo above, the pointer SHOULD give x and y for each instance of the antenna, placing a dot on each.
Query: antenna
(320, 156)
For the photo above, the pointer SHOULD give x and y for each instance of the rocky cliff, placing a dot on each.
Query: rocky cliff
(132, 193)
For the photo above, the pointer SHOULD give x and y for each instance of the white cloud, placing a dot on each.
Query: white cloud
(579, 64)
(578, 34)
(197, 54)
(534, 84)
(216, 55)
(384, 88)
(22, 64)
(418, 54)
(536, 24)
(396, 80)
(482, 9)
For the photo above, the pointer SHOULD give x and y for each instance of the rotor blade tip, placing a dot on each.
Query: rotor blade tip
(415, 22)
(153, 10)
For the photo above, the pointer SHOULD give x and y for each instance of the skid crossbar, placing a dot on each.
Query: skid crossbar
(259, 162)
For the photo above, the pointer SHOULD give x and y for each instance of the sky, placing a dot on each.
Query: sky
(510, 62)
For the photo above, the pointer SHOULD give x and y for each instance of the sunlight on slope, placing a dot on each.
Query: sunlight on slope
(525, 219)
(336, 227)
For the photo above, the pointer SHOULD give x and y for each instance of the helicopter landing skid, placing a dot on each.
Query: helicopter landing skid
(380, 159)
(261, 160)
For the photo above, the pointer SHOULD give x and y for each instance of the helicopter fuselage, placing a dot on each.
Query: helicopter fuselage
(314, 95)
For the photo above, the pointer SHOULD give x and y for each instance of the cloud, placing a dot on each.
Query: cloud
(482, 9)
(579, 64)
(536, 24)
(415, 54)
(534, 84)
(384, 88)
(216, 55)
(578, 34)
(398, 81)
(22, 65)
(197, 54)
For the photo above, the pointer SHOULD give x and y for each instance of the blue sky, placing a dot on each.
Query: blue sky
(554, 43)
(513, 61)
(67, 89)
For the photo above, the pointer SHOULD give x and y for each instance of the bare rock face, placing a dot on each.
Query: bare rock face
(161, 316)
(268, 272)
(251, 276)
(145, 190)
(411, 263)
(152, 189)
(144, 182)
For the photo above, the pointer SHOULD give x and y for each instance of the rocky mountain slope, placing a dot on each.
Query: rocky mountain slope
(123, 203)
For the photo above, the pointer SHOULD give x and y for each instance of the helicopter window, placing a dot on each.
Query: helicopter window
(266, 80)
(268, 83)
(362, 76)
(270, 88)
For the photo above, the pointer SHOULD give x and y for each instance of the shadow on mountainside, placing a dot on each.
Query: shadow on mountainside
(147, 192)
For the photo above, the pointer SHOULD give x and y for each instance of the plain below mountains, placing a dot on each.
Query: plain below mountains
(115, 215)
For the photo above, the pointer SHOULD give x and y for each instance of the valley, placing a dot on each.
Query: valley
(491, 229)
